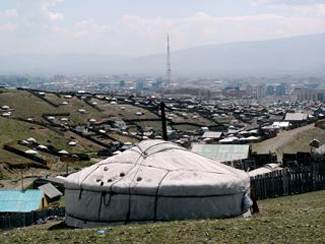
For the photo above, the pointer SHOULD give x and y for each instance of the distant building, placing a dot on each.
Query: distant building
(139, 86)
(297, 119)
(233, 91)
(157, 84)
(256, 92)
(270, 90)
(281, 89)
(276, 90)
(310, 93)
(281, 125)
(211, 136)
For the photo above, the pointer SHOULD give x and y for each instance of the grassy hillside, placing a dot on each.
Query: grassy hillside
(293, 219)
(25, 104)
(291, 141)
(54, 119)
(13, 131)
(302, 140)
(123, 111)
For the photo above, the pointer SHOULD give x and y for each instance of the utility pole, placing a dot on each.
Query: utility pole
(163, 121)
(65, 160)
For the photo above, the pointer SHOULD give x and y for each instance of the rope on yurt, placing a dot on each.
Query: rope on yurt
(157, 196)
(154, 145)
(167, 149)
(142, 156)
(137, 162)
(92, 171)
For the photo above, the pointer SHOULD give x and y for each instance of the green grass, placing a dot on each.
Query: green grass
(123, 138)
(292, 141)
(302, 140)
(129, 112)
(76, 117)
(189, 118)
(155, 125)
(294, 219)
(12, 131)
(187, 128)
(13, 159)
(25, 104)
(54, 99)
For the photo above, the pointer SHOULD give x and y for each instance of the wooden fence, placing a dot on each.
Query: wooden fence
(289, 181)
(15, 220)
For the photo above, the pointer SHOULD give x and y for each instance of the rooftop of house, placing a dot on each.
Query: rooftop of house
(222, 153)
(212, 134)
(20, 201)
(296, 117)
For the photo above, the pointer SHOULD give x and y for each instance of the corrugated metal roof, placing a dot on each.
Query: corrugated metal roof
(282, 124)
(50, 191)
(20, 201)
(221, 152)
(212, 134)
(296, 117)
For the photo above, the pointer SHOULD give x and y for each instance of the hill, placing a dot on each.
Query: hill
(296, 56)
(292, 141)
(87, 127)
(301, 55)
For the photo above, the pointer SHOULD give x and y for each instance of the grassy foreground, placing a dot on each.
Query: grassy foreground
(294, 219)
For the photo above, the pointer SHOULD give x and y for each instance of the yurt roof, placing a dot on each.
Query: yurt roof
(154, 164)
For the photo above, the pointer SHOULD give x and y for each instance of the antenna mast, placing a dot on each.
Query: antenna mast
(169, 66)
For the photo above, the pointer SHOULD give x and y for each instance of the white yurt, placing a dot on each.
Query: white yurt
(154, 181)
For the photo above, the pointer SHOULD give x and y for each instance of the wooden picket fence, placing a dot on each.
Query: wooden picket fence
(15, 220)
(289, 181)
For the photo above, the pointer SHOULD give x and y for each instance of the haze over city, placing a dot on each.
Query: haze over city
(113, 33)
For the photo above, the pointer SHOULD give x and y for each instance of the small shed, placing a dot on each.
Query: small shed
(50, 192)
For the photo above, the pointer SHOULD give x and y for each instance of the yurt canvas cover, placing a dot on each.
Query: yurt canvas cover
(154, 181)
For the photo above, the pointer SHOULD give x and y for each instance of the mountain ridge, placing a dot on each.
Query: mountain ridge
(286, 56)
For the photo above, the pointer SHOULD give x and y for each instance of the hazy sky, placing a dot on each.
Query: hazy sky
(139, 27)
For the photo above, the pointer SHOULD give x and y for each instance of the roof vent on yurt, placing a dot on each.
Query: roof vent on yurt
(154, 181)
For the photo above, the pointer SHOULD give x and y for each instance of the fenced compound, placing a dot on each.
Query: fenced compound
(289, 181)
(278, 183)
(15, 220)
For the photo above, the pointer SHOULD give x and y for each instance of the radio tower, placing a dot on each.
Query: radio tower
(169, 66)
